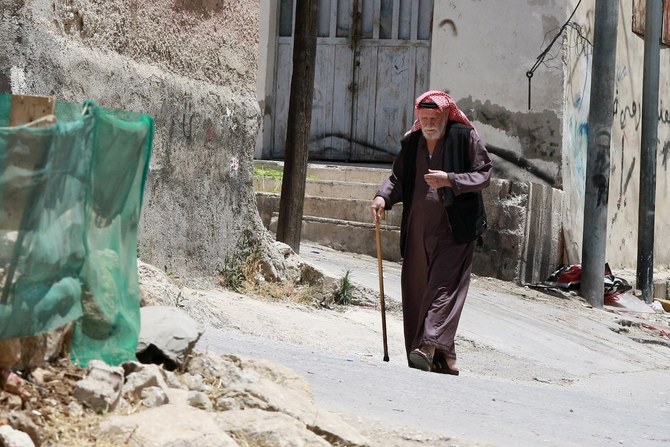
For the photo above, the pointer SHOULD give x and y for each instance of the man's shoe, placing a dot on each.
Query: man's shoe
(420, 360)
(440, 366)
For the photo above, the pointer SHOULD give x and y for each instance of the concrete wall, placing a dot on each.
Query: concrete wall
(625, 150)
(481, 52)
(189, 64)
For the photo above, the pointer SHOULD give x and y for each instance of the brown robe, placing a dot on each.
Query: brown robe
(436, 268)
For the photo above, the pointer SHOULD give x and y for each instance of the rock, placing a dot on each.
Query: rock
(10, 352)
(168, 335)
(192, 381)
(11, 382)
(198, 399)
(9, 401)
(101, 388)
(100, 306)
(142, 377)
(75, 409)
(14, 438)
(268, 428)
(41, 376)
(276, 388)
(172, 380)
(19, 420)
(34, 351)
(156, 288)
(172, 425)
(154, 396)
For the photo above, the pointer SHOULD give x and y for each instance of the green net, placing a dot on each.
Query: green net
(70, 202)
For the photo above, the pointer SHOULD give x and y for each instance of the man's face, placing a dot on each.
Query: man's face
(433, 123)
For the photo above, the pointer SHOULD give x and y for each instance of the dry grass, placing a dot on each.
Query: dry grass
(243, 274)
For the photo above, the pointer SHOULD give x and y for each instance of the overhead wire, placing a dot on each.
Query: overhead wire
(541, 57)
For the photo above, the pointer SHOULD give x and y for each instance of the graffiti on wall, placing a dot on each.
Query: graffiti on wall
(630, 113)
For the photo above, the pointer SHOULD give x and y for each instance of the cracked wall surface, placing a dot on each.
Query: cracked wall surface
(190, 65)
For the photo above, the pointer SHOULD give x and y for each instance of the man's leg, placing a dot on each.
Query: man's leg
(448, 283)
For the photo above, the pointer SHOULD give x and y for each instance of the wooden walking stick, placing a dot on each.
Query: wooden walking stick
(381, 284)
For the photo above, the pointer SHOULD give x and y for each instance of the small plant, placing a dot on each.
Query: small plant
(230, 273)
(343, 295)
(275, 174)
(241, 267)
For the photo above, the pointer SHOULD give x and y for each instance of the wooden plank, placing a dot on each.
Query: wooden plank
(396, 19)
(26, 109)
(322, 104)
(376, 18)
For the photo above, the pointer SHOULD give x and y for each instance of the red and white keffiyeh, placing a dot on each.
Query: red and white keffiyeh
(444, 103)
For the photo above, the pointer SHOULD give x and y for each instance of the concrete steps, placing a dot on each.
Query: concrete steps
(523, 243)
(336, 209)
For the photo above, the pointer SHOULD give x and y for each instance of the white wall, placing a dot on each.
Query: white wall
(625, 149)
(481, 52)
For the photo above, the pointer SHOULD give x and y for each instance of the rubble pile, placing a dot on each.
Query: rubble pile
(188, 399)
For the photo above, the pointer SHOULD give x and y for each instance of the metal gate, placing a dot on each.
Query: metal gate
(373, 59)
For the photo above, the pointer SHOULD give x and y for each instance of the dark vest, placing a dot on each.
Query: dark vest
(467, 216)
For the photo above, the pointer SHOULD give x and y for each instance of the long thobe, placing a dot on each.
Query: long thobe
(436, 268)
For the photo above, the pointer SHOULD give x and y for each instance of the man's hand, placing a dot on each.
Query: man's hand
(377, 208)
(437, 179)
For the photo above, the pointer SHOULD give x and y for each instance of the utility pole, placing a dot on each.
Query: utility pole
(598, 152)
(648, 148)
(289, 224)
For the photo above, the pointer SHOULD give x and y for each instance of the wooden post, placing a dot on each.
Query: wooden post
(291, 201)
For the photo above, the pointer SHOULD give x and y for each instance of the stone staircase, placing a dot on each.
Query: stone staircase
(523, 242)
(336, 211)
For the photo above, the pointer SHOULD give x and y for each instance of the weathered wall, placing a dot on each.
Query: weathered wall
(624, 173)
(189, 64)
(481, 52)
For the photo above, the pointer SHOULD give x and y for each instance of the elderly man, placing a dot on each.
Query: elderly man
(438, 176)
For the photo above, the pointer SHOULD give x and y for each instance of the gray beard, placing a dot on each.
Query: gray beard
(435, 137)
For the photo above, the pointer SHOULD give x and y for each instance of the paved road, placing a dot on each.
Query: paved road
(535, 373)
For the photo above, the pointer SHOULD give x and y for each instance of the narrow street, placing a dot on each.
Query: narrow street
(536, 369)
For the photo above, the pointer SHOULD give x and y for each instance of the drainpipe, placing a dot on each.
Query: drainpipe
(647, 201)
(598, 156)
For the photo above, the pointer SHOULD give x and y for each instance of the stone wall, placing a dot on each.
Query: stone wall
(192, 66)
(523, 242)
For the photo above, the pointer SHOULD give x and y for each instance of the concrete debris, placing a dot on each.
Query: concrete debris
(101, 389)
(140, 377)
(235, 399)
(168, 335)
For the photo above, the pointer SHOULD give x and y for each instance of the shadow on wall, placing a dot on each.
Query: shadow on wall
(539, 134)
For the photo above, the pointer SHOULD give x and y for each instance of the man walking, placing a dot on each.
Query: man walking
(438, 176)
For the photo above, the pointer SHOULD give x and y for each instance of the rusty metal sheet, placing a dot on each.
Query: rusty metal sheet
(639, 9)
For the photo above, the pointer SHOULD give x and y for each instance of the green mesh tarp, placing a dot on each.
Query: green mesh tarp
(70, 202)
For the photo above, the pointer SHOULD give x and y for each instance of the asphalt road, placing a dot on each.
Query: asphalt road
(535, 372)
(628, 409)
